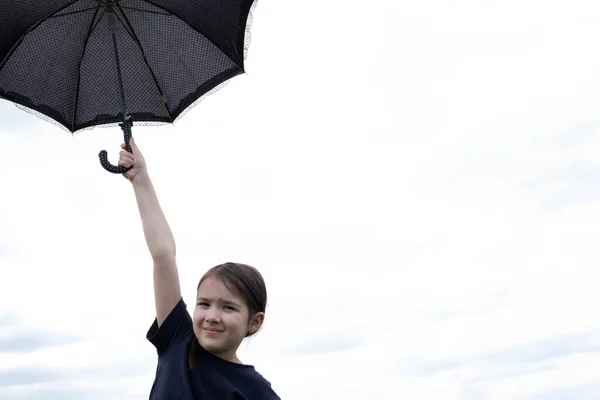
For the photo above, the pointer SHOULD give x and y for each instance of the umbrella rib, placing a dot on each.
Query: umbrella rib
(90, 31)
(72, 12)
(31, 28)
(146, 11)
(99, 20)
(207, 38)
(137, 41)
(130, 33)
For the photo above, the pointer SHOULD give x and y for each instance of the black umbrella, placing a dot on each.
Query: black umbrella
(85, 63)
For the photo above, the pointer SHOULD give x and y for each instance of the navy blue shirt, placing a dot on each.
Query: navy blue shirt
(213, 378)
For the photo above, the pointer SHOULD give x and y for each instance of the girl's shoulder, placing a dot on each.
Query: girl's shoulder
(245, 378)
(259, 388)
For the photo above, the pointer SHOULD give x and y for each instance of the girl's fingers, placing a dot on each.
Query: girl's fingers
(127, 160)
(126, 156)
(129, 163)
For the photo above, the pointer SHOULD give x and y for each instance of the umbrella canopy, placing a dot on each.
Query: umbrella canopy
(84, 63)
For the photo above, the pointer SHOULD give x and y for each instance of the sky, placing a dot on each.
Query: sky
(418, 182)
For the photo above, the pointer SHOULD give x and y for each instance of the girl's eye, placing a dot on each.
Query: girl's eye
(229, 308)
(202, 304)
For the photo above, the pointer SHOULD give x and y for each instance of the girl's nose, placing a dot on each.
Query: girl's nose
(212, 317)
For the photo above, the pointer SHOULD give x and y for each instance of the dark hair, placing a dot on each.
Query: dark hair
(243, 280)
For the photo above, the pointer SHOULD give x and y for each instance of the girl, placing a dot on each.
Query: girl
(197, 357)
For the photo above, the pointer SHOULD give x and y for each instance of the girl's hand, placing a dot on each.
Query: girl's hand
(135, 160)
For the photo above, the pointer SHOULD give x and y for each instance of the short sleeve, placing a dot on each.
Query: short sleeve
(176, 327)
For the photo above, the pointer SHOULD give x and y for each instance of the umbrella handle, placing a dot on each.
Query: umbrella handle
(103, 155)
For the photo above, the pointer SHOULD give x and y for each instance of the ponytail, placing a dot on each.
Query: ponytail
(192, 353)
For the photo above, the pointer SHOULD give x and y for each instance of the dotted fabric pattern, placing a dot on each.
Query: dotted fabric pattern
(57, 57)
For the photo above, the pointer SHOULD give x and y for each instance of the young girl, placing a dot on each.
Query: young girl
(197, 357)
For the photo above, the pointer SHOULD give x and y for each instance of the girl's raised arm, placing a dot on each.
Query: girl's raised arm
(159, 238)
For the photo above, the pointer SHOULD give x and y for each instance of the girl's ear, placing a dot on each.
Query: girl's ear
(255, 323)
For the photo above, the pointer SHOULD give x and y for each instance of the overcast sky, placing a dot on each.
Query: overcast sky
(418, 182)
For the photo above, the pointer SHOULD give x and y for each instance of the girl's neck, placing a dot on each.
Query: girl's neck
(229, 357)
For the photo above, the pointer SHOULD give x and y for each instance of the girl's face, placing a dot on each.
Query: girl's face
(222, 320)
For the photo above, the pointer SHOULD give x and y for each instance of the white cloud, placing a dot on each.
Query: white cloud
(417, 181)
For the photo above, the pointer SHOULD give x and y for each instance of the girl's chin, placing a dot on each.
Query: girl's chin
(210, 341)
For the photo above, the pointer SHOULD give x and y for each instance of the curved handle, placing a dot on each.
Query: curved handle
(103, 155)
